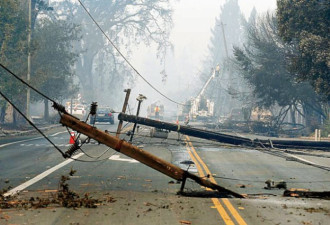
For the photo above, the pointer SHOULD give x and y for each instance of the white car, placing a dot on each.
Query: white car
(78, 111)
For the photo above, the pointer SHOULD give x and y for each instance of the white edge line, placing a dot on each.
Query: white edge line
(304, 160)
(58, 133)
(40, 176)
(16, 142)
(11, 143)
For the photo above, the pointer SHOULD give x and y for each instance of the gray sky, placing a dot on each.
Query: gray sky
(193, 21)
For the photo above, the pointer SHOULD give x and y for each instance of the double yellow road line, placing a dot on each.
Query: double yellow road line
(219, 205)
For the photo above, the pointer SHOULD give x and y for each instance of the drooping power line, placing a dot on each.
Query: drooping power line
(126, 60)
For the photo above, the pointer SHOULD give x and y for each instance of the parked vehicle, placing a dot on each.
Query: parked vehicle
(77, 107)
(103, 114)
(78, 111)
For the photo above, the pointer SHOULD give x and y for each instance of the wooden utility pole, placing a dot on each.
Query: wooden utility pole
(140, 98)
(142, 156)
(229, 98)
(224, 39)
(209, 135)
(120, 124)
(225, 138)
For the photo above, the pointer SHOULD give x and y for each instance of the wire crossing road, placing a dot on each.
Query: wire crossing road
(144, 196)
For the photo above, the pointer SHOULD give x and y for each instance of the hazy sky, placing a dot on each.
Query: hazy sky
(193, 21)
(196, 19)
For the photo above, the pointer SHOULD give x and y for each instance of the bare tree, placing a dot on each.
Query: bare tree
(126, 23)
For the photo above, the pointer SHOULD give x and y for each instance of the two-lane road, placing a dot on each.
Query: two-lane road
(23, 158)
(145, 196)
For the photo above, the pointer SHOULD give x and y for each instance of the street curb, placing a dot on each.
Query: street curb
(4, 133)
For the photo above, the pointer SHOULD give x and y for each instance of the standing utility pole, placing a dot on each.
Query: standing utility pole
(28, 64)
(229, 104)
(224, 39)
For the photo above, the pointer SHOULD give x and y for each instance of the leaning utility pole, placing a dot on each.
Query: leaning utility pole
(142, 156)
(140, 98)
(120, 124)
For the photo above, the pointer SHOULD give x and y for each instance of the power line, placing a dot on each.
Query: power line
(126, 60)
(52, 143)
(31, 123)
(20, 79)
(56, 105)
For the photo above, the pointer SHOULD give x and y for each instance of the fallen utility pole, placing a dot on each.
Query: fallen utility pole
(142, 156)
(209, 135)
(296, 144)
(225, 138)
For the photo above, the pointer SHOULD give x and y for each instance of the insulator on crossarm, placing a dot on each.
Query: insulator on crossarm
(73, 148)
(59, 107)
(93, 108)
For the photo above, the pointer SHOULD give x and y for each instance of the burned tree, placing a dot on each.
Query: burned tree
(126, 23)
(263, 64)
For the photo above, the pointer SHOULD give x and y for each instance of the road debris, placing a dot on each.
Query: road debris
(159, 133)
(70, 199)
(149, 204)
(272, 184)
(306, 193)
(184, 222)
(64, 197)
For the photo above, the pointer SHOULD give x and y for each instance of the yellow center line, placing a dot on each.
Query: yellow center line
(234, 212)
(230, 207)
(224, 215)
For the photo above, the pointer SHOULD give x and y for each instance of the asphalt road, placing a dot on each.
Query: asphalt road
(32, 167)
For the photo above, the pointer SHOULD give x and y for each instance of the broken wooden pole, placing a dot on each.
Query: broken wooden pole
(120, 124)
(139, 99)
(225, 138)
(187, 130)
(140, 155)
(296, 144)
(303, 193)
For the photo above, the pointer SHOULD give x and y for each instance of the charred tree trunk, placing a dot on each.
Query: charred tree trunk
(85, 71)
(14, 118)
(3, 113)
(293, 115)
